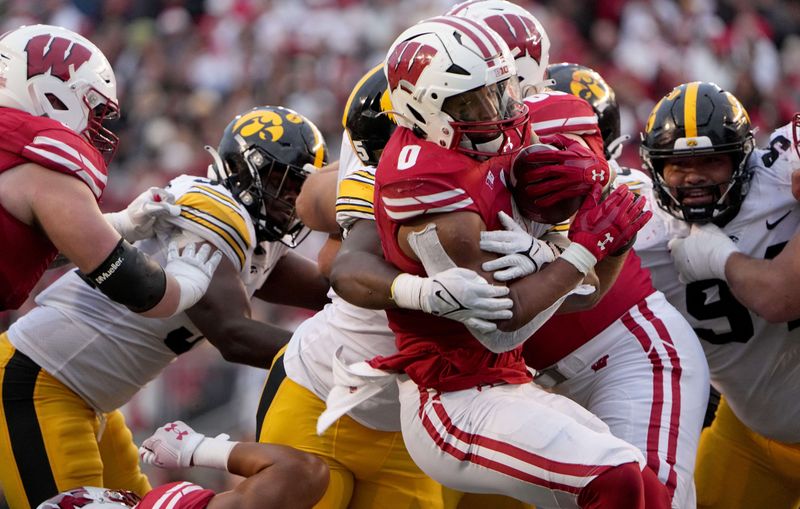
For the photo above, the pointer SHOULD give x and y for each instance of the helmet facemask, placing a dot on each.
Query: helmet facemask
(267, 188)
(490, 120)
(101, 109)
(727, 196)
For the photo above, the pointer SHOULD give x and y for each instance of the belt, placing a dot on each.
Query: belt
(549, 377)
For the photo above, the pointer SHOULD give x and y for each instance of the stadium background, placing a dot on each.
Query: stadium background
(185, 67)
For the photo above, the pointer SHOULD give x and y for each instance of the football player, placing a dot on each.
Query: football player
(678, 409)
(275, 476)
(364, 449)
(56, 92)
(469, 414)
(71, 362)
(633, 333)
(723, 247)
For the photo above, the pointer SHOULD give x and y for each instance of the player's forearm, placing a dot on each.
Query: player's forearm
(276, 476)
(537, 292)
(246, 341)
(606, 271)
(168, 304)
(763, 287)
(363, 279)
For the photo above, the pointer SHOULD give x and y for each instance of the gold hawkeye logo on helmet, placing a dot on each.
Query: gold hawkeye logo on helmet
(263, 122)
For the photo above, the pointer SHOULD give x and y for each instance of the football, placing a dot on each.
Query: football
(554, 214)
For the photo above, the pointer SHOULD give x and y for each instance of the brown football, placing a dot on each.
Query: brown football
(554, 214)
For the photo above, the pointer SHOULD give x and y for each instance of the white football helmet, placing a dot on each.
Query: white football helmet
(91, 498)
(53, 72)
(523, 33)
(453, 81)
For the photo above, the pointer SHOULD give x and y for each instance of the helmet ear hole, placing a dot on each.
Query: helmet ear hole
(55, 102)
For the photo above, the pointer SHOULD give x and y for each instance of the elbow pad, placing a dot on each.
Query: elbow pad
(130, 277)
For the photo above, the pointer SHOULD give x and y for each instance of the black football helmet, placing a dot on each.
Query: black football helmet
(263, 158)
(695, 119)
(366, 116)
(587, 84)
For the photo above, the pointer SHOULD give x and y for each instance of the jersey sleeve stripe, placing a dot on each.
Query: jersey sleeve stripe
(170, 498)
(352, 200)
(563, 227)
(564, 122)
(217, 210)
(354, 208)
(360, 178)
(405, 214)
(77, 156)
(219, 232)
(220, 196)
(68, 165)
(428, 198)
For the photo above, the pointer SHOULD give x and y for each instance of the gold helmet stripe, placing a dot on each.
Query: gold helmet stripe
(690, 109)
(358, 86)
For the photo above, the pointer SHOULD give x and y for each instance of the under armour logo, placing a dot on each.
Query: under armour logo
(598, 176)
(174, 427)
(602, 243)
(601, 363)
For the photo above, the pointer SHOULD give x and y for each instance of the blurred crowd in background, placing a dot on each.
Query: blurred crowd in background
(185, 68)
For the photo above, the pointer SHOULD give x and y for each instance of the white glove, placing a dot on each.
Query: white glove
(171, 446)
(456, 293)
(703, 254)
(137, 220)
(177, 445)
(524, 254)
(193, 271)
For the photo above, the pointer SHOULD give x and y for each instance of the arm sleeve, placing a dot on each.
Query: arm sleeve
(407, 200)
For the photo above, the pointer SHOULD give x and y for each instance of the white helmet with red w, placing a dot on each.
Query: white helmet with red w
(523, 33)
(54, 72)
(453, 82)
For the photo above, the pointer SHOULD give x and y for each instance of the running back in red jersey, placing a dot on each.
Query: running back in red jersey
(416, 178)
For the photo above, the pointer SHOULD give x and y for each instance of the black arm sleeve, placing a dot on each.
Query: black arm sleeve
(130, 277)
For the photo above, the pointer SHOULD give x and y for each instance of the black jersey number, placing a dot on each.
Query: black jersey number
(181, 340)
(725, 307)
(777, 146)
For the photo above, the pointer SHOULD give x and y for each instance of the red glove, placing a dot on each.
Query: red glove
(557, 168)
(606, 227)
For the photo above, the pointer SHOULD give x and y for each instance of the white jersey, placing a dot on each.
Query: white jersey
(364, 333)
(752, 362)
(105, 352)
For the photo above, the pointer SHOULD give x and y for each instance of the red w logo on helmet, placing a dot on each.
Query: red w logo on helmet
(407, 62)
(520, 33)
(54, 54)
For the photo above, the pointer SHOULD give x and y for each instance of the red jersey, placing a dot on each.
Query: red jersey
(563, 334)
(555, 112)
(559, 113)
(25, 138)
(177, 495)
(416, 178)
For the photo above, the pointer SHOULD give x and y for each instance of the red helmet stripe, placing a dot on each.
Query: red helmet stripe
(482, 29)
(475, 37)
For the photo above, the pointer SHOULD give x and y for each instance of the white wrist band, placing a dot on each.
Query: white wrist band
(213, 453)
(406, 290)
(580, 257)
